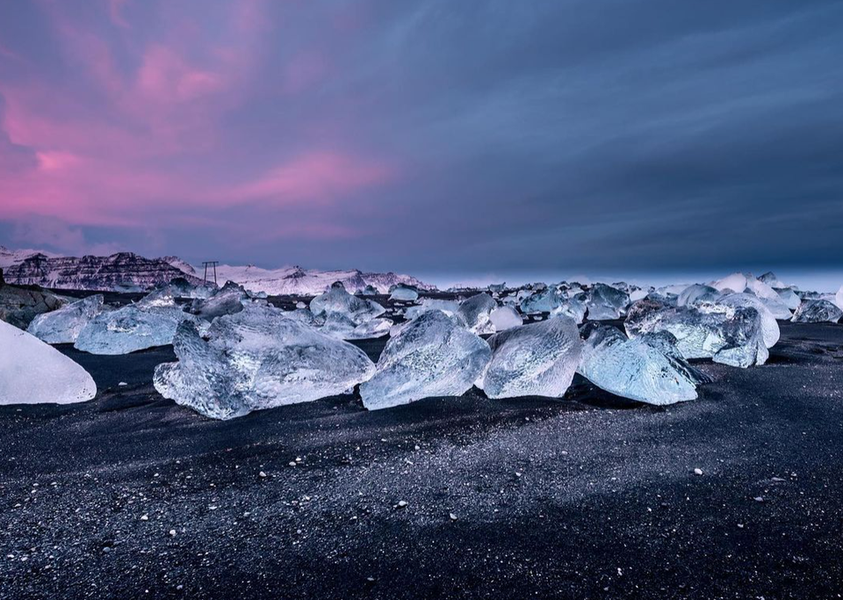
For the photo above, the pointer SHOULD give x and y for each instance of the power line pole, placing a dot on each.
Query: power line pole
(213, 264)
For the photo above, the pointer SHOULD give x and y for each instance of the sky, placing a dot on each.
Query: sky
(478, 139)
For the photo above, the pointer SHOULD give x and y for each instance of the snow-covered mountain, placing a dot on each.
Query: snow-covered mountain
(102, 273)
(309, 282)
(13, 257)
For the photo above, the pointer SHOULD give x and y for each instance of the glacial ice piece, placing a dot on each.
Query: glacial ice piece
(605, 302)
(33, 372)
(790, 299)
(728, 334)
(62, 326)
(404, 293)
(505, 317)
(433, 355)
(369, 290)
(131, 328)
(838, 298)
(774, 282)
(817, 311)
(769, 326)
(573, 307)
(538, 359)
(228, 300)
(339, 326)
(182, 288)
(544, 300)
(736, 282)
(255, 359)
(337, 300)
(476, 312)
(697, 293)
(647, 368)
(448, 307)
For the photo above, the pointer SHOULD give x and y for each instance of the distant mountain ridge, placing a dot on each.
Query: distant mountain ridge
(309, 282)
(128, 270)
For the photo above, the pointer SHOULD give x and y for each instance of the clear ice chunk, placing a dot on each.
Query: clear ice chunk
(337, 300)
(433, 355)
(730, 335)
(255, 359)
(339, 326)
(545, 300)
(476, 313)
(33, 372)
(228, 300)
(696, 293)
(817, 311)
(538, 359)
(62, 326)
(647, 368)
(130, 328)
(605, 302)
(448, 307)
(404, 293)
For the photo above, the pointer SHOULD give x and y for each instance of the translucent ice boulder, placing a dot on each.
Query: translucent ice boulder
(337, 300)
(448, 307)
(404, 293)
(790, 299)
(130, 328)
(574, 308)
(769, 326)
(339, 326)
(226, 301)
(605, 302)
(736, 282)
(544, 300)
(817, 311)
(538, 359)
(476, 313)
(696, 293)
(62, 326)
(505, 317)
(33, 372)
(255, 359)
(647, 368)
(433, 355)
(730, 335)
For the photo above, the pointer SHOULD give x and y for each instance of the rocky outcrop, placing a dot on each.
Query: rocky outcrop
(100, 273)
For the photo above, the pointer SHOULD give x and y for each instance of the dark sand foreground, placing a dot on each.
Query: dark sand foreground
(131, 496)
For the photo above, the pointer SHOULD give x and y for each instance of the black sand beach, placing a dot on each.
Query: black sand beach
(131, 496)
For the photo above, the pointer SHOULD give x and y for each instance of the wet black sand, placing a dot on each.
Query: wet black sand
(590, 497)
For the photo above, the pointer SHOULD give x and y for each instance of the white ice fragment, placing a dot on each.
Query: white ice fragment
(505, 317)
(433, 355)
(537, 359)
(62, 326)
(736, 282)
(255, 359)
(33, 372)
(404, 293)
(693, 294)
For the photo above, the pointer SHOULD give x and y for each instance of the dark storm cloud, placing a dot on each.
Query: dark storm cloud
(458, 136)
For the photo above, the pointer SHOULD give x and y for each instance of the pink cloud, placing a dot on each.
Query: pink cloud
(317, 176)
